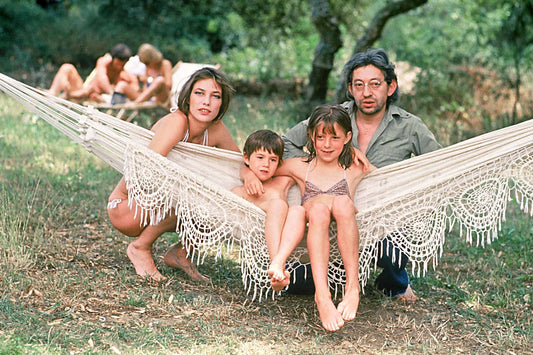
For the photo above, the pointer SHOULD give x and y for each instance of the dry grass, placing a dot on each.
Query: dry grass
(68, 287)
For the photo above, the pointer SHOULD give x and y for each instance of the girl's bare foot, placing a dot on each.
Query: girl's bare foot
(276, 271)
(278, 285)
(408, 295)
(176, 257)
(329, 315)
(144, 263)
(348, 307)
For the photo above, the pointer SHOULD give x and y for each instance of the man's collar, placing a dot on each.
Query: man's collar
(391, 112)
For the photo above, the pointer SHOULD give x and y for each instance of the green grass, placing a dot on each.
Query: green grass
(66, 285)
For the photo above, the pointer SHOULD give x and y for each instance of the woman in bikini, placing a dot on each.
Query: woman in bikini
(327, 180)
(202, 103)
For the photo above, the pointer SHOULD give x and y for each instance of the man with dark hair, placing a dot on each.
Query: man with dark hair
(99, 85)
(386, 134)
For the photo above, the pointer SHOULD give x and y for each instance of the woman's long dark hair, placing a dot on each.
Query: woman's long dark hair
(184, 97)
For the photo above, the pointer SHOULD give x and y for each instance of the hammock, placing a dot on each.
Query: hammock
(413, 202)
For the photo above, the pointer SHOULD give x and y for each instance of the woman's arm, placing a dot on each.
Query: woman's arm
(169, 130)
(220, 137)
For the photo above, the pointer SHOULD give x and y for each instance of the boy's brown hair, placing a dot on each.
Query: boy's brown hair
(264, 139)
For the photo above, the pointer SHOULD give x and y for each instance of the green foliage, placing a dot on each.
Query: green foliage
(463, 79)
(17, 20)
(272, 20)
(464, 26)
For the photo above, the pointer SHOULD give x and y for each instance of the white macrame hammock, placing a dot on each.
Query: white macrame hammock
(413, 202)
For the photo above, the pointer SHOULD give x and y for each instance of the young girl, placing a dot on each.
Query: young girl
(327, 180)
(202, 103)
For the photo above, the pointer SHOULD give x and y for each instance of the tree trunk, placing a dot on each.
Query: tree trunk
(374, 30)
(329, 44)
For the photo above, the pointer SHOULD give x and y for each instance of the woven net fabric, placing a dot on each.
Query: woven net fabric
(415, 220)
(412, 203)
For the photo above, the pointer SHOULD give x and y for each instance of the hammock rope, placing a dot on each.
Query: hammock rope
(412, 203)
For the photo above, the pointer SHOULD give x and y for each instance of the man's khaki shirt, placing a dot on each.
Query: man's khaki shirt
(399, 136)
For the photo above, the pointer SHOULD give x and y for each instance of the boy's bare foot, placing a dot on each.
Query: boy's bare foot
(408, 295)
(278, 285)
(176, 257)
(329, 315)
(144, 263)
(348, 307)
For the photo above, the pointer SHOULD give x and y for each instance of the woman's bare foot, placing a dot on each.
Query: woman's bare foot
(278, 285)
(144, 263)
(408, 295)
(329, 315)
(348, 307)
(176, 257)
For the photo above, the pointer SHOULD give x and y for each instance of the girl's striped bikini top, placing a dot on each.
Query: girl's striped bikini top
(311, 190)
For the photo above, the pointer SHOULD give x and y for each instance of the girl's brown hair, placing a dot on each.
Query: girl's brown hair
(328, 115)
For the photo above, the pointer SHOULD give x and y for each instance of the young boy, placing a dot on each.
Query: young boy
(262, 153)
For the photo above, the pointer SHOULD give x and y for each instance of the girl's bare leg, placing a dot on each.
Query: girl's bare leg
(319, 219)
(127, 89)
(292, 234)
(344, 212)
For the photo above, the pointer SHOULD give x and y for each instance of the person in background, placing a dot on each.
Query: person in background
(154, 75)
(100, 84)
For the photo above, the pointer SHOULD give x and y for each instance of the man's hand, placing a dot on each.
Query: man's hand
(359, 158)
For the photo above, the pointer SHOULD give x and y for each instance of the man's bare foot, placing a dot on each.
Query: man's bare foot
(329, 315)
(278, 285)
(408, 295)
(176, 257)
(144, 263)
(348, 307)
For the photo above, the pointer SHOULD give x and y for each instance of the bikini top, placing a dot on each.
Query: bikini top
(206, 135)
(205, 141)
(311, 190)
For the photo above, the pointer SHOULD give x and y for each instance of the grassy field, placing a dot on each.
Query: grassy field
(67, 287)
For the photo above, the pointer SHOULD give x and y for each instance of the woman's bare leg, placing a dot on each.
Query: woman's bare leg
(140, 250)
(158, 89)
(176, 257)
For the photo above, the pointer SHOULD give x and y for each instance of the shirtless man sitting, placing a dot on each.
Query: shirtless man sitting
(109, 71)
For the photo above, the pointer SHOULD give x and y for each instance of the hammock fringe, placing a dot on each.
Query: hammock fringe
(411, 203)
